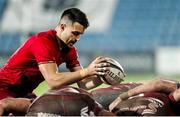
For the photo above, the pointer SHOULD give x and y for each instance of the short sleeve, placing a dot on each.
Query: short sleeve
(97, 108)
(72, 58)
(43, 50)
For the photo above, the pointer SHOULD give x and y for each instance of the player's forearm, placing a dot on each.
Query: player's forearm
(90, 82)
(55, 79)
(159, 85)
(137, 90)
(66, 78)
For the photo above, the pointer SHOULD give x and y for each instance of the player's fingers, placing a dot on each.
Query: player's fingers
(102, 65)
(114, 103)
(100, 59)
(112, 106)
(100, 73)
(103, 69)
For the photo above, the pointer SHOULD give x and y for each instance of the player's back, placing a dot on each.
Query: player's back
(151, 103)
(65, 101)
(105, 96)
(148, 104)
(23, 61)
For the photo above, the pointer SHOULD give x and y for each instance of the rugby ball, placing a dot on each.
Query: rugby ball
(115, 75)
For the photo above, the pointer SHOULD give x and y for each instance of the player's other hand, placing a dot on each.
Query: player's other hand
(114, 103)
(98, 67)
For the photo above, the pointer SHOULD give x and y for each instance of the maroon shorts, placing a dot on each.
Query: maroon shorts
(6, 91)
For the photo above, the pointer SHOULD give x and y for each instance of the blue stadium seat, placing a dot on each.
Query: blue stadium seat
(139, 25)
(3, 4)
(9, 42)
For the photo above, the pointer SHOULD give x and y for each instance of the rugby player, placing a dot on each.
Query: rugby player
(38, 59)
(69, 101)
(146, 104)
(151, 103)
(167, 86)
(105, 96)
(66, 101)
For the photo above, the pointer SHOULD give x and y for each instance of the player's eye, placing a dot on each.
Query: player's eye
(76, 33)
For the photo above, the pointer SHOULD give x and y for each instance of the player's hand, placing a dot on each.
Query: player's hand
(98, 67)
(114, 103)
(1, 110)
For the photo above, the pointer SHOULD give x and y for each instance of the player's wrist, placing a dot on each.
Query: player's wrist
(171, 98)
(83, 73)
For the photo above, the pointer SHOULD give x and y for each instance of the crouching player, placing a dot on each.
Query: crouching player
(161, 85)
(105, 96)
(66, 101)
(145, 104)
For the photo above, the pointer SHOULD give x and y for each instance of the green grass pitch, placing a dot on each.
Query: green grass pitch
(43, 87)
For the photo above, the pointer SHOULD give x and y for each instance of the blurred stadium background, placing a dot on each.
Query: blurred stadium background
(143, 35)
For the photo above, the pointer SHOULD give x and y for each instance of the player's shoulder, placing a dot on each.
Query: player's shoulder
(46, 37)
(46, 34)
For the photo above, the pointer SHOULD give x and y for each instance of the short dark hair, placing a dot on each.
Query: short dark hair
(76, 15)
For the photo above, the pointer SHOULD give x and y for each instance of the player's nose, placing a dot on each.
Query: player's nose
(78, 38)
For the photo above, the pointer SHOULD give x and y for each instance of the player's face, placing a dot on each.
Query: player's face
(72, 33)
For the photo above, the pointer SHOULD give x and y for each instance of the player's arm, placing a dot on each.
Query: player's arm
(17, 106)
(87, 83)
(90, 82)
(55, 78)
(160, 85)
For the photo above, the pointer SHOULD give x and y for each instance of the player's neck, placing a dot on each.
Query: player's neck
(62, 45)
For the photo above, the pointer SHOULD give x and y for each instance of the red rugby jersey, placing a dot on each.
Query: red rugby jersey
(22, 66)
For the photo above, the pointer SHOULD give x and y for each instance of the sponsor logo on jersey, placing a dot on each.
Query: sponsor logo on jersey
(41, 114)
(85, 112)
(153, 106)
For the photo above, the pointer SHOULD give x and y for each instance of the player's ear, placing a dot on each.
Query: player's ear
(62, 26)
